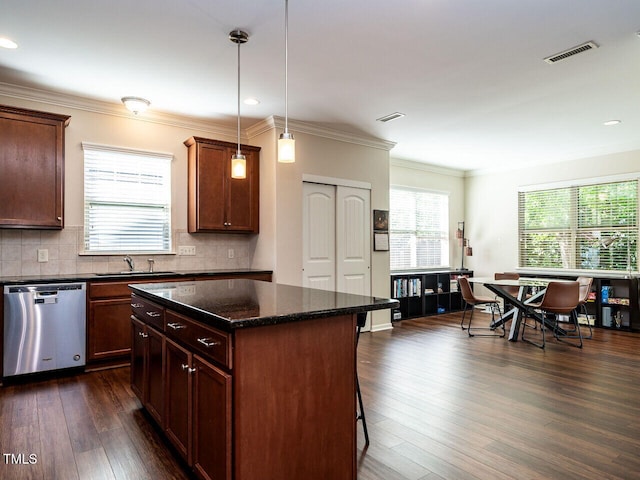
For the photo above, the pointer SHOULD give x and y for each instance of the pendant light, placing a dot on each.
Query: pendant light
(286, 142)
(238, 161)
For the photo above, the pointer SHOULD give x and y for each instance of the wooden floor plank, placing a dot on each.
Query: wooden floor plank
(439, 405)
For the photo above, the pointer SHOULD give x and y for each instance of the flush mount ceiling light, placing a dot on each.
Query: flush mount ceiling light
(608, 123)
(7, 43)
(238, 161)
(136, 104)
(286, 142)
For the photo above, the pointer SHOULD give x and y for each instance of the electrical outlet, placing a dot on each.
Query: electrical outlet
(188, 289)
(43, 255)
(186, 250)
(231, 253)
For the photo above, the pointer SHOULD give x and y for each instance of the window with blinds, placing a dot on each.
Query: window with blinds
(590, 226)
(127, 200)
(418, 229)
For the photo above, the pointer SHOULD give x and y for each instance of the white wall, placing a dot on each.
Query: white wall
(418, 175)
(491, 204)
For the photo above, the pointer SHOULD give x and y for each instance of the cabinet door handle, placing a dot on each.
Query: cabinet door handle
(59, 219)
(227, 224)
(187, 368)
(153, 314)
(207, 343)
(143, 335)
(176, 326)
(137, 305)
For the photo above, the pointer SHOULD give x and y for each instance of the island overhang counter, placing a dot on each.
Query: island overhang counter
(251, 379)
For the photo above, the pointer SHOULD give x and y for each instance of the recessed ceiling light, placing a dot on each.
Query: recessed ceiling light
(7, 43)
(612, 122)
(251, 101)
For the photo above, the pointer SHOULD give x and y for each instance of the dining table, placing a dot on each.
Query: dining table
(530, 290)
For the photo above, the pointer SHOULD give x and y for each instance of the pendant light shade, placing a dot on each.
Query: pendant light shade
(238, 161)
(286, 142)
(286, 148)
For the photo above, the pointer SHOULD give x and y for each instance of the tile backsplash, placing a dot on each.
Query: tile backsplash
(19, 253)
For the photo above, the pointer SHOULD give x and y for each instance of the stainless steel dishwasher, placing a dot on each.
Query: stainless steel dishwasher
(44, 327)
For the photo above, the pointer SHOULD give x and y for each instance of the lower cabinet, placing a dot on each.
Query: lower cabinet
(108, 325)
(270, 402)
(148, 368)
(188, 396)
(108, 335)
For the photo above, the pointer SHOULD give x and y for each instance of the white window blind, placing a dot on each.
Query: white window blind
(127, 200)
(590, 226)
(418, 229)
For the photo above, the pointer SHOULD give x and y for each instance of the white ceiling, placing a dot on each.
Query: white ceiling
(468, 74)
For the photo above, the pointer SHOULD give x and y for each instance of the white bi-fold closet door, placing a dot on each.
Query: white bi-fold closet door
(337, 238)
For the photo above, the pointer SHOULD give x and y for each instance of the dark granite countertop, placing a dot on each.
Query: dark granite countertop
(113, 276)
(240, 303)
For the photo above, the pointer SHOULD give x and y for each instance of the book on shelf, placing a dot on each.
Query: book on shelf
(407, 287)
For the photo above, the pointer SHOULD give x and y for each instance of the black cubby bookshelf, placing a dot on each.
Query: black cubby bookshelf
(614, 302)
(423, 293)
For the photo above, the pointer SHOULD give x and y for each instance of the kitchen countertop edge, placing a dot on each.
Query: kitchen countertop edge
(95, 277)
(229, 325)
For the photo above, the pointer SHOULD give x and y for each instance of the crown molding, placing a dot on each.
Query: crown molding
(425, 167)
(60, 99)
(275, 121)
(65, 100)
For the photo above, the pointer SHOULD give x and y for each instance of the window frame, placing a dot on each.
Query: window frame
(163, 207)
(441, 236)
(586, 239)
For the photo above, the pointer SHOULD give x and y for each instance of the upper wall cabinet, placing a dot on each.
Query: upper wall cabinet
(31, 168)
(217, 202)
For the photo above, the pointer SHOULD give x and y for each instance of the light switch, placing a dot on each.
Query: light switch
(43, 255)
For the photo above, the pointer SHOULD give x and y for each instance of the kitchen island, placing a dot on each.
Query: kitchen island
(248, 379)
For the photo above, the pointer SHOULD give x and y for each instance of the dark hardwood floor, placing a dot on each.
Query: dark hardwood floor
(439, 405)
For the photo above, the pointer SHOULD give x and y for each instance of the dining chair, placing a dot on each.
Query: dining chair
(511, 290)
(560, 298)
(585, 289)
(471, 300)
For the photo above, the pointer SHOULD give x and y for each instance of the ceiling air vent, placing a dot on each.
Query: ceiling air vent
(391, 116)
(571, 52)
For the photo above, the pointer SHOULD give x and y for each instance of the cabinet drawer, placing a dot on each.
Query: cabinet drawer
(207, 341)
(148, 312)
(109, 289)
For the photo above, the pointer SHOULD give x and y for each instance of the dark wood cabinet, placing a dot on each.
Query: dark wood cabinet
(195, 394)
(217, 202)
(211, 421)
(108, 325)
(108, 330)
(148, 368)
(32, 168)
(178, 388)
(109, 307)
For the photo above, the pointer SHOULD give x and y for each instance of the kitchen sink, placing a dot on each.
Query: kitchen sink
(133, 272)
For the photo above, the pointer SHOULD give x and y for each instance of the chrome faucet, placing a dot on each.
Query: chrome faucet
(150, 265)
(129, 261)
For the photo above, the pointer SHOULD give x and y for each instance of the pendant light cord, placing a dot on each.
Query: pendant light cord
(286, 66)
(238, 151)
